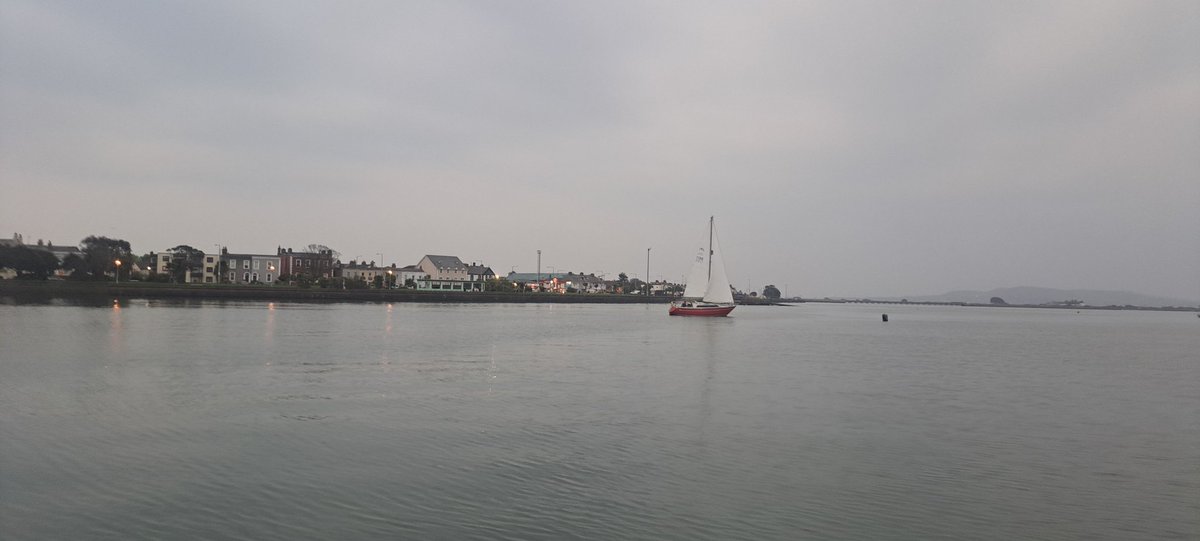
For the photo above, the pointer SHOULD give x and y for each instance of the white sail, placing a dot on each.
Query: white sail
(697, 283)
(718, 283)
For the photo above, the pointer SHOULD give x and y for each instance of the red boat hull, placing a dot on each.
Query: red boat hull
(702, 311)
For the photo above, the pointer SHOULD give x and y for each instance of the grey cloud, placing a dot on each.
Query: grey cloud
(847, 148)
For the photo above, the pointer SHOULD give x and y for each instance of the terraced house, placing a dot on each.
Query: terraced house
(251, 268)
(317, 264)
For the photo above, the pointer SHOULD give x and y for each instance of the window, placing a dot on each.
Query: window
(208, 269)
(256, 263)
(232, 276)
(268, 277)
(255, 277)
(246, 277)
(208, 259)
(245, 263)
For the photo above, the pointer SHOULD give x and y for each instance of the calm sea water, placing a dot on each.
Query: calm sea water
(255, 420)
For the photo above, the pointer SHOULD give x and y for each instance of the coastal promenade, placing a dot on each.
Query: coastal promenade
(52, 289)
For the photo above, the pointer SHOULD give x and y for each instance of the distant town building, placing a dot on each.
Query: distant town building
(479, 273)
(535, 281)
(368, 272)
(59, 252)
(15, 241)
(212, 268)
(317, 264)
(249, 268)
(410, 272)
(583, 283)
(162, 262)
(447, 272)
(558, 282)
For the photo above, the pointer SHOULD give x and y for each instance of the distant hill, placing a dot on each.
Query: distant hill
(1043, 295)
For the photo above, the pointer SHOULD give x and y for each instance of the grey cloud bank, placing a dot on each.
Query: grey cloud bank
(845, 148)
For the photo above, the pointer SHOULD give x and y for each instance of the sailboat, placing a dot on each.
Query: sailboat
(707, 292)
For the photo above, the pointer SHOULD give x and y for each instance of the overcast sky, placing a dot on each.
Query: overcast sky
(845, 148)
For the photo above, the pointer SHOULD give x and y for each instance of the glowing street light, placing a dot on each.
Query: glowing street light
(117, 275)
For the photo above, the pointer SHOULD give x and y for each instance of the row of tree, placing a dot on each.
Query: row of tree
(27, 262)
(97, 257)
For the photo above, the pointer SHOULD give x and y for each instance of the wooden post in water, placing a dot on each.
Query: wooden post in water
(885, 318)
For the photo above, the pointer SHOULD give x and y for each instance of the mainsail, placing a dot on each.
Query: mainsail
(707, 293)
(707, 280)
(718, 284)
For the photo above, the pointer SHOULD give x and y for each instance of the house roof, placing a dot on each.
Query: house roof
(584, 278)
(56, 249)
(245, 256)
(446, 262)
(533, 276)
(411, 268)
(364, 266)
(479, 269)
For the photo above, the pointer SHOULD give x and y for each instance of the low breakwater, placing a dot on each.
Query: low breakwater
(52, 289)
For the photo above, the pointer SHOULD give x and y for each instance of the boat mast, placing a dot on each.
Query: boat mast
(710, 250)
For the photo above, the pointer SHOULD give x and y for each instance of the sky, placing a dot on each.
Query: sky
(845, 148)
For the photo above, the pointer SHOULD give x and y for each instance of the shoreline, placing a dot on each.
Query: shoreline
(51, 289)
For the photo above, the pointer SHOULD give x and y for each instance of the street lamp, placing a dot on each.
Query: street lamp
(647, 272)
(217, 265)
(117, 275)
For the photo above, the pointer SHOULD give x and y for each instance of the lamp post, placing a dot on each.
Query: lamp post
(117, 275)
(217, 265)
(647, 272)
(382, 278)
(539, 272)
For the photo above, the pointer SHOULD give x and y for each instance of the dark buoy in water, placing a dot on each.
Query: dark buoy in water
(885, 318)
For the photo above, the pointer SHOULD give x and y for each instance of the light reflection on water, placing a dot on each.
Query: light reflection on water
(289, 420)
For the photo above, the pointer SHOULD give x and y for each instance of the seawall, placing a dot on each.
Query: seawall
(51, 289)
